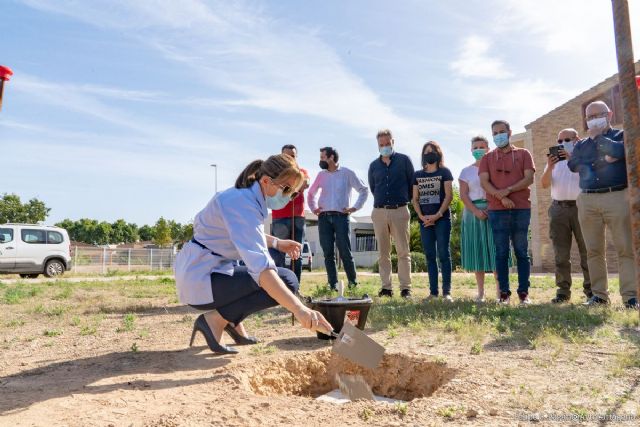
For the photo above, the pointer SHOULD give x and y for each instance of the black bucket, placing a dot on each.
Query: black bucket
(337, 310)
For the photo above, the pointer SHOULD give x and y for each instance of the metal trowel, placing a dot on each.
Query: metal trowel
(356, 346)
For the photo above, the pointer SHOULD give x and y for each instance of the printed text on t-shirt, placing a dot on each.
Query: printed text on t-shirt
(429, 190)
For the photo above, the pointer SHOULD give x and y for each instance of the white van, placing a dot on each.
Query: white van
(31, 249)
(305, 255)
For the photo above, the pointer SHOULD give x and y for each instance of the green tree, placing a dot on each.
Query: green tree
(13, 210)
(162, 235)
(457, 208)
(121, 232)
(102, 233)
(146, 233)
(175, 230)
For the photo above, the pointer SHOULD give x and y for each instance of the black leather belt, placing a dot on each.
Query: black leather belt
(328, 213)
(605, 190)
(565, 203)
(401, 205)
(204, 247)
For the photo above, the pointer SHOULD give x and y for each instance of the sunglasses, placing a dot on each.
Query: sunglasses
(502, 168)
(287, 190)
(560, 141)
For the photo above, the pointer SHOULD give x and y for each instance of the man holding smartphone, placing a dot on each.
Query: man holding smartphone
(563, 214)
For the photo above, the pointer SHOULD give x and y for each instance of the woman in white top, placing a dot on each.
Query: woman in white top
(478, 250)
(230, 228)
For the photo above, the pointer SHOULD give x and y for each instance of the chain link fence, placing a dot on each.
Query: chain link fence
(103, 260)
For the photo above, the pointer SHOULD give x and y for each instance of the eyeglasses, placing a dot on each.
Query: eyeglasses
(560, 141)
(287, 190)
(598, 115)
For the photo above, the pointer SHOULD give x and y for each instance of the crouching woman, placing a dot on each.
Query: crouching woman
(228, 229)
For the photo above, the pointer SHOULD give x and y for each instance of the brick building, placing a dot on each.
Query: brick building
(541, 134)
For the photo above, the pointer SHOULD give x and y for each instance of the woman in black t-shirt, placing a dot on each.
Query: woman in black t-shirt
(432, 194)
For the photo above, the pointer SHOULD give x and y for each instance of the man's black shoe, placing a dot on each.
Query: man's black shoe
(385, 293)
(631, 303)
(352, 285)
(333, 286)
(405, 293)
(559, 299)
(595, 301)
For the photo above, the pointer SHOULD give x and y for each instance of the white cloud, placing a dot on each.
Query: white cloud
(475, 60)
(236, 48)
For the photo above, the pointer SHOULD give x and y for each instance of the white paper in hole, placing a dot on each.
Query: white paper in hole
(337, 398)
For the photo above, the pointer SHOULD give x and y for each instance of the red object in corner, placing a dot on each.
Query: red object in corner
(638, 81)
(5, 73)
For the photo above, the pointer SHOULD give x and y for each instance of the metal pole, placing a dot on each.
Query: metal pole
(104, 260)
(75, 259)
(129, 260)
(631, 117)
(215, 175)
(151, 259)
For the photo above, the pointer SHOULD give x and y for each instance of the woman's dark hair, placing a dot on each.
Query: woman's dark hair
(330, 151)
(280, 168)
(435, 147)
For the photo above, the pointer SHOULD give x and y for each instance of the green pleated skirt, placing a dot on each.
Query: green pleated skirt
(478, 250)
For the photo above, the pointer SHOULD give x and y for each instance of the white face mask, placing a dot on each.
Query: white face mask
(597, 123)
(568, 147)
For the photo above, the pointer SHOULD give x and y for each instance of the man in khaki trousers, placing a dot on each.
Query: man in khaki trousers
(390, 181)
(604, 203)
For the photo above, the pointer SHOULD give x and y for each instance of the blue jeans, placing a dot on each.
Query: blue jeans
(236, 297)
(435, 243)
(511, 226)
(281, 228)
(334, 229)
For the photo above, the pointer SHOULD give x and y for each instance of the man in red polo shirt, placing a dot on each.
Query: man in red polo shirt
(288, 218)
(506, 173)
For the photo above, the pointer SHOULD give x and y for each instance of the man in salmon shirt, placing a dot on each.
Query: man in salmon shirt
(506, 173)
(292, 215)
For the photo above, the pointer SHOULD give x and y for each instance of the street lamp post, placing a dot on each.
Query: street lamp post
(213, 165)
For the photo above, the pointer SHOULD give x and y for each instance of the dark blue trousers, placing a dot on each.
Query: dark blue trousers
(236, 297)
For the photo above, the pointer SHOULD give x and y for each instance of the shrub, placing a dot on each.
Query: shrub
(418, 263)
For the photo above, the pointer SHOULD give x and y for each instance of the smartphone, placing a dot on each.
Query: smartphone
(556, 150)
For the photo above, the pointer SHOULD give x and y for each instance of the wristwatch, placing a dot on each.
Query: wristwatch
(509, 189)
(274, 243)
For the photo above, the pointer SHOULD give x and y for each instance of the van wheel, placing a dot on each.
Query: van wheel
(53, 268)
(29, 276)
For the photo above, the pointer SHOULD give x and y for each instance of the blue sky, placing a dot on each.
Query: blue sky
(117, 108)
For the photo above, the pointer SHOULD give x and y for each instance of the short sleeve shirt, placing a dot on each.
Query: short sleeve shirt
(431, 190)
(505, 170)
(471, 177)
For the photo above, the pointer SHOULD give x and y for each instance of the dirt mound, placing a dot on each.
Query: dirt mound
(313, 374)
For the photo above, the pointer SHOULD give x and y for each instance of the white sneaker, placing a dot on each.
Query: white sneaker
(447, 298)
(479, 300)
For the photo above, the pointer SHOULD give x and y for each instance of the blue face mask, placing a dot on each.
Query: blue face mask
(386, 151)
(501, 140)
(278, 201)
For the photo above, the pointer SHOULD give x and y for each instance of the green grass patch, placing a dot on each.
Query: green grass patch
(52, 332)
(128, 323)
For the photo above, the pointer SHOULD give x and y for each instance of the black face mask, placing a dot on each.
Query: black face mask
(430, 158)
(324, 164)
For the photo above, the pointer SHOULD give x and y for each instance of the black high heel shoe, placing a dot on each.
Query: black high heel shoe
(201, 325)
(237, 338)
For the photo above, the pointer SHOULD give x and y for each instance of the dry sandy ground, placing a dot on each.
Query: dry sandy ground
(98, 379)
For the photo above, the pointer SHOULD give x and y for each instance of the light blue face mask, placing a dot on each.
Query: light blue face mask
(278, 201)
(386, 151)
(501, 140)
